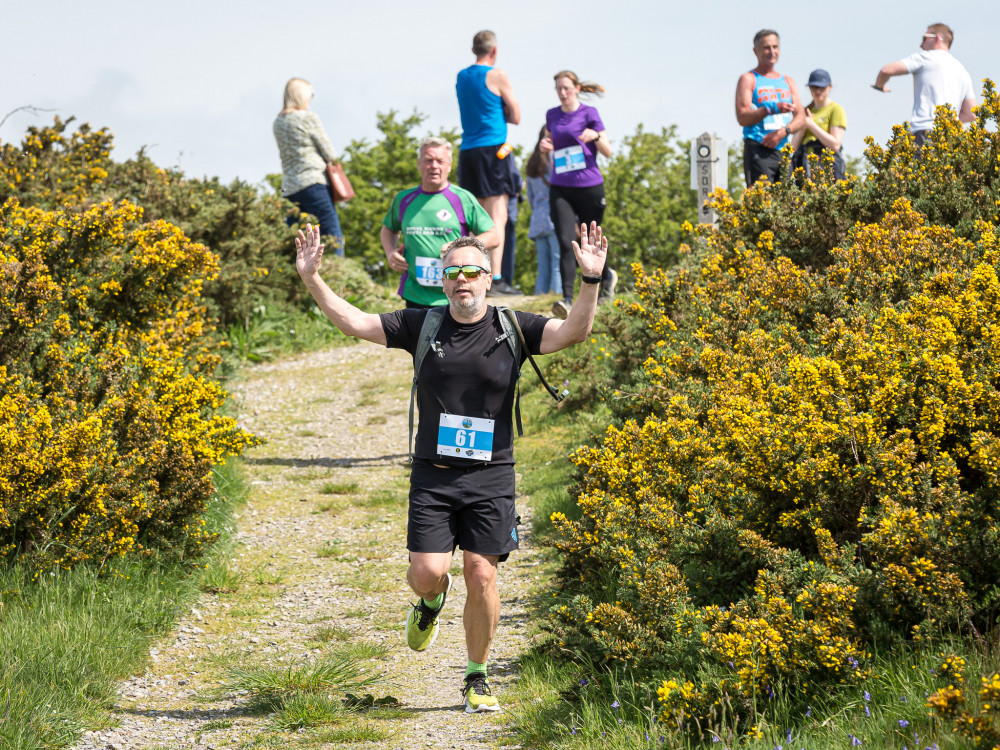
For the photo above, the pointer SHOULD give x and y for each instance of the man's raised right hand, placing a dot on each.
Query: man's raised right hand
(308, 252)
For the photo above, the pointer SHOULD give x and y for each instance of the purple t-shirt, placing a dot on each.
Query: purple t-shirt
(574, 162)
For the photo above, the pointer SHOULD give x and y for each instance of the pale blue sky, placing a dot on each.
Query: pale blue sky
(199, 83)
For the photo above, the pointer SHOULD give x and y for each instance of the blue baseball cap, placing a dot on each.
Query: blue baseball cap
(819, 78)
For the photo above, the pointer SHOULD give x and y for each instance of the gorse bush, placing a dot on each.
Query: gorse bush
(53, 169)
(109, 421)
(809, 465)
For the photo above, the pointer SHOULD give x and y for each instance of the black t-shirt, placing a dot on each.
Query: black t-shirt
(475, 377)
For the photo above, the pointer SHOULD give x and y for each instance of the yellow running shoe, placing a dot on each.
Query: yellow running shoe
(478, 696)
(422, 623)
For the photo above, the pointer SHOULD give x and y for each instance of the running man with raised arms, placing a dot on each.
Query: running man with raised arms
(486, 103)
(462, 480)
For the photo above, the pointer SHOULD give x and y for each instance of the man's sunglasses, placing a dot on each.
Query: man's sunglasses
(470, 272)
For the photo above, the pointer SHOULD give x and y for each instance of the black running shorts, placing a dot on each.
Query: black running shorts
(483, 174)
(471, 508)
(759, 160)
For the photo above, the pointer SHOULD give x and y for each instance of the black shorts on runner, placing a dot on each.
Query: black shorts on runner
(483, 174)
(759, 160)
(471, 508)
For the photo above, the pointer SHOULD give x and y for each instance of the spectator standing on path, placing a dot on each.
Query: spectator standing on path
(574, 135)
(305, 151)
(538, 172)
(428, 217)
(824, 128)
(938, 79)
(768, 108)
(486, 103)
(462, 480)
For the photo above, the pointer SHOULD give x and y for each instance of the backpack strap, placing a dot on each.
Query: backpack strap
(425, 343)
(514, 335)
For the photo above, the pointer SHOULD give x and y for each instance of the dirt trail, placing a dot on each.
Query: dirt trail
(320, 549)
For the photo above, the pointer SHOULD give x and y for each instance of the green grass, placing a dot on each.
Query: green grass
(356, 733)
(330, 673)
(307, 710)
(220, 577)
(384, 499)
(339, 488)
(332, 634)
(328, 506)
(69, 637)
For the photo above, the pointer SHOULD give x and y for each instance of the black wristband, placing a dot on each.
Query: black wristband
(591, 279)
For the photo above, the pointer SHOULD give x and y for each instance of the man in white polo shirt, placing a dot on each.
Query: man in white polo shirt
(938, 78)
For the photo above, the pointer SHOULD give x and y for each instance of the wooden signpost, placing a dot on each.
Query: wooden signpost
(709, 170)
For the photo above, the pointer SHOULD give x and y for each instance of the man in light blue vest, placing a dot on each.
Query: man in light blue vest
(768, 108)
(487, 103)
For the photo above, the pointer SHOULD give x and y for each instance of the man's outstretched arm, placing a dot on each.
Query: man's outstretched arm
(897, 68)
(349, 319)
(591, 254)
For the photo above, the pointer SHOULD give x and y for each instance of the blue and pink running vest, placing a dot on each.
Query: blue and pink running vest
(769, 91)
(483, 122)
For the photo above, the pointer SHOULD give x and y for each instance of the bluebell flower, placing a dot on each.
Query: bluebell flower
(854, 740)
(616, 704)
(867, 712)
(809, 710)
(868, 696)
(583, 682)
(788, 738)
(903, 723)
(573, 731)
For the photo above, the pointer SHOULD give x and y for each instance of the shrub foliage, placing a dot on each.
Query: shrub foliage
(809, 464)
(109, 413)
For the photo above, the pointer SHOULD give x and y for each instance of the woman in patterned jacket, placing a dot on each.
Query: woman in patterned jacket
(305, 151)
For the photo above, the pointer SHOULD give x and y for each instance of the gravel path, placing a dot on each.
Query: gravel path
(320, 549)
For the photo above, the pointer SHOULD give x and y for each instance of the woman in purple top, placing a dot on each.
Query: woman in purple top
(574, 136)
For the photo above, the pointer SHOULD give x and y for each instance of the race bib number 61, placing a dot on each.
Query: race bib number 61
(465, 437)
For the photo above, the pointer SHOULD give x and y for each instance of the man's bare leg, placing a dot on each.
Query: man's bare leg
(428, 573)
(496, 207)
(482, 604)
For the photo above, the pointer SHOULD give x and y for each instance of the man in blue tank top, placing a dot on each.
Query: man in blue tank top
(768, 108)
(486, 103)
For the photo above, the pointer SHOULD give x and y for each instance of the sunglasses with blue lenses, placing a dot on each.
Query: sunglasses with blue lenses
(470, 272)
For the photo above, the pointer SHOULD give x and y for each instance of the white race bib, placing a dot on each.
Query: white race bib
(465, 437)
(778, 121)
(569, 159)
(429, 271)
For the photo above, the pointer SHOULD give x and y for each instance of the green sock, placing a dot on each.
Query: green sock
(436, 602)
(474, 667)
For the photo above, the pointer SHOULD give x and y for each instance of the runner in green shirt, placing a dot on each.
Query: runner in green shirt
(424, 219)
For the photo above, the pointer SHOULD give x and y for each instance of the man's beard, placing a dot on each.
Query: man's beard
(468, 307)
